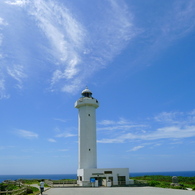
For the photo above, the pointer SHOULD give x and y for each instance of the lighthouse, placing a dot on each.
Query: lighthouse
(88, 174)
(87, 158)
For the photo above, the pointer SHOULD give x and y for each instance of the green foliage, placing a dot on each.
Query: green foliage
(153, 183)
(29, 181)
(32, 190)
(8, 187)
(187, 180)
(165, 181)
(3, 186)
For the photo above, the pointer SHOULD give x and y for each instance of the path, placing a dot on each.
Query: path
(117, 191)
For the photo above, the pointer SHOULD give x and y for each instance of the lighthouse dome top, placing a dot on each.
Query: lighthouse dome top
(86, 93)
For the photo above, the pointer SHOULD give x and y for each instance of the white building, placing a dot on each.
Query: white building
(87, 172)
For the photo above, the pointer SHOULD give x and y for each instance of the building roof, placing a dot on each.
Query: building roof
(86, 90)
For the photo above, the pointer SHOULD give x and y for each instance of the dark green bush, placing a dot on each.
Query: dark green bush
(31, 190)
(8, 187)
(154, 183)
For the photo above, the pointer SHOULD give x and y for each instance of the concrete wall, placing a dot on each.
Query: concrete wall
(86, 174)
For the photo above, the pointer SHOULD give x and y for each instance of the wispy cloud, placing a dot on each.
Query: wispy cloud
(161, 32)
(27, 134)
(52, 140)
(3, 22)
(65, 135)
(169, 132)
(166, 125)
(3, 94)
(183, 13)
(136, 148)
(173, 118)
(121, 124)
(6, 147)
(63, 150)
(76, 50)
(2, 80)
(17, 2)
(111, 140)
(168, 117)
(59, 119)
(15, 157)
(65, 34)
(112, 122)
(10, 70)
(17, 73)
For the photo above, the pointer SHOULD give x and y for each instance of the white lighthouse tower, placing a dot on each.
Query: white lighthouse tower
(87, 130)
(87, 172)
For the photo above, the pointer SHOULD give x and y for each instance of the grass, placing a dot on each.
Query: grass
(165, 181)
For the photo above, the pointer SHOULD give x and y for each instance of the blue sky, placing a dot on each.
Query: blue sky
(138, 59)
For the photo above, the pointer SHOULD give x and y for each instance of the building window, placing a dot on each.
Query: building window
(107, 172)
(121, 180)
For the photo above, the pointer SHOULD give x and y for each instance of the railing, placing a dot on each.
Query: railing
(61, 184)
(14, 192)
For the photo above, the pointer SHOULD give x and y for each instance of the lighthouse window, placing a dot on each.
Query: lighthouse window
(88, 114)
(87, 94)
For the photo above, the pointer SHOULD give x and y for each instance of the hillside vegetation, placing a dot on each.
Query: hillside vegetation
(165, 181)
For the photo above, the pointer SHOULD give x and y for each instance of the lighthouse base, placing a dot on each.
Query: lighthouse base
(103, 177)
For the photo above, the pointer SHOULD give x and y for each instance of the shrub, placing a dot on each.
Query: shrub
(31, 190)
(154, 183)
(9, 187)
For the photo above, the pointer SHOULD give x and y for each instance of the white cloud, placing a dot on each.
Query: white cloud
(3, 22)
(52, 140)
(17, 73)
(111, 141)
(63, 150)
(59, 119)
(17, 2)
(121, 127)
(65, 34)
(161, 31)
(75, 47)
(121, 121)
(27, 134)
(6, 147)
(136, 148)
(183, 13)
(121, 124)
(14, 157)
(65, 135)
(166, 125)
(3, 94)
(176, 118)
(170, 132)
(106, 122)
